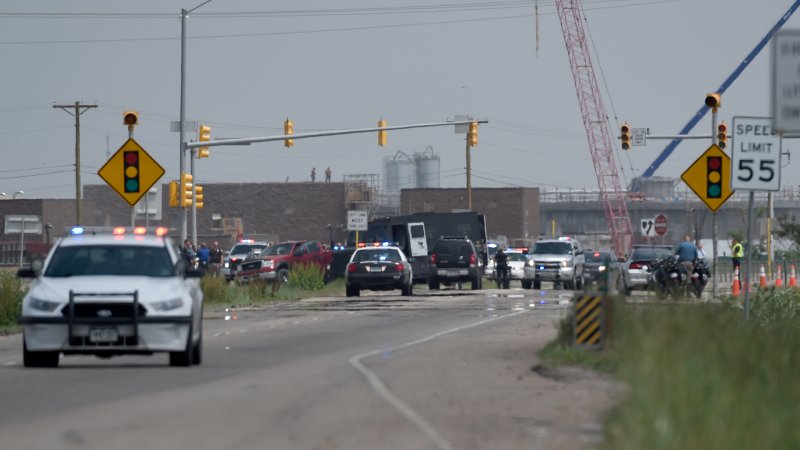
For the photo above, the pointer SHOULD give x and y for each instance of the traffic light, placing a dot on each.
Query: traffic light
(288, 129)
(186, 189)
(625, 135)
(382, 133)
(472, 135)
(130, 118)
(722, 134)
(713, 100)
(198, 196)
(173, 194)
(714, 177)
(130, 166)
(203, 135)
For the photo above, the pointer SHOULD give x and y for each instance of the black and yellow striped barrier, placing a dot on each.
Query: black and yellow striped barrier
(589, 329)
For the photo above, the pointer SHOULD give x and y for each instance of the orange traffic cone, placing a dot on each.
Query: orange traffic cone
(762, 278)
(792, 277)
(736, 289)
(779, 277)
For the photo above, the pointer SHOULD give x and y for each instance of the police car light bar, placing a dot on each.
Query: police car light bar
(118, 231)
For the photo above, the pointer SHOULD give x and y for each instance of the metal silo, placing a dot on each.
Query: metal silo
(427, 168)
(398, 174)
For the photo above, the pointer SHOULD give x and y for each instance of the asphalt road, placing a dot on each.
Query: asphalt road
(452, 370)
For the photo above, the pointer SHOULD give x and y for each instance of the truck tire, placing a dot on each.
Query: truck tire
(283, 275)
(38, 359)
(407, 289)
(433, 283)
(476, 282)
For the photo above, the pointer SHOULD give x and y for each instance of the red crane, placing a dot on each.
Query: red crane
(594, 116)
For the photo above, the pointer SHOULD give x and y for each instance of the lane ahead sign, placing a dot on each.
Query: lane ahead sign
(756, 155)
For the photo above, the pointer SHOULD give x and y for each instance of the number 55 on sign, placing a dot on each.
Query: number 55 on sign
(756, 156)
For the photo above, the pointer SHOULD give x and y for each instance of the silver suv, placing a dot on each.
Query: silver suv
(558, 260)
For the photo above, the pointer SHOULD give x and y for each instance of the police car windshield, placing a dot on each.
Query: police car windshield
(112, 260)
(381, 254)
(552, 248)
(512, 256)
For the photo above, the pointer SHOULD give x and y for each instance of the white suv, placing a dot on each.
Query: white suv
(106, 294)
(558, 260)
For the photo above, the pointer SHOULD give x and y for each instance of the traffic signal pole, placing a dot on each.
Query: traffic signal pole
(714, 140)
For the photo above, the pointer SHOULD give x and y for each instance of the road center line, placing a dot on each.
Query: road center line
(393, 400)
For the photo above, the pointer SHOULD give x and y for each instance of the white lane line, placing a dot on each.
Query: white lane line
(393, 400)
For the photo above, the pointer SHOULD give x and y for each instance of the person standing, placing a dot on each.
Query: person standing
(215, 260)
(203, 255)
(313, 174)
(687, 253)
(188, 254)
(700, 252)
(328, 175)
(737, 253)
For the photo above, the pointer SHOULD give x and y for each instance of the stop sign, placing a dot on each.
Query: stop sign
(660, 225)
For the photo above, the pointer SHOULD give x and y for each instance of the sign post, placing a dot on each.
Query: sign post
(756, 166)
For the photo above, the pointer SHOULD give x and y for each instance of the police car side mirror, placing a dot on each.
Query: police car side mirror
(26, 272)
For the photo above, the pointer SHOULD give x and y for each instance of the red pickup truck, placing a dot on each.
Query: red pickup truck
(275, 260)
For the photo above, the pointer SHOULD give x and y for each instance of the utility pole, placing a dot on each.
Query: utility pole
(79, 109)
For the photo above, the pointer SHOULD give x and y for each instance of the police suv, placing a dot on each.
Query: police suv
(112, 292)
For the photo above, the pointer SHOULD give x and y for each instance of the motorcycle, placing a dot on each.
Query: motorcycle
(700, 276)
(669, 277)
(501, 273)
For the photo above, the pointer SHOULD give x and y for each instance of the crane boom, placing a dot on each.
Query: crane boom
(725, 85)
(595, 121)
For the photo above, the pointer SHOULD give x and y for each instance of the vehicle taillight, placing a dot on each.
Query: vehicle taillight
(351, 267)
(433, 258)
(398, 267)
(636, 265)
(472, 260)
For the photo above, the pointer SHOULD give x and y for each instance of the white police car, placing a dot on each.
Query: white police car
(112, 292)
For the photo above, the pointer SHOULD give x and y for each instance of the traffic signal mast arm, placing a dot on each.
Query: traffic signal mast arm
(253, 140)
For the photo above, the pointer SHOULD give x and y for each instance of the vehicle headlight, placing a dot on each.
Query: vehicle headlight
(530, 263)
(267, 263)
(168, 305)
(602, 268)
(564, 263)
(43, 305)
(227, 264)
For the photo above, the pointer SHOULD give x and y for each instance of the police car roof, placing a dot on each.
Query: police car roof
(111, 239)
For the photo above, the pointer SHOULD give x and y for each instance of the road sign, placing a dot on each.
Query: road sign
(647, 227)
(786, 81)
(639, 137)
(660, 225)
(709, 177)
(756, 155)
(357, 220)
(131, 172)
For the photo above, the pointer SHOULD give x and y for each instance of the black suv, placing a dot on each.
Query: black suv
(455, 260)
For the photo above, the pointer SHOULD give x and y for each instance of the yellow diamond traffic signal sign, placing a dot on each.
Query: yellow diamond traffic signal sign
(710, 177)
(131, 172)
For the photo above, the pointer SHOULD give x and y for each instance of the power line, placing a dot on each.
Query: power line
(314, 31)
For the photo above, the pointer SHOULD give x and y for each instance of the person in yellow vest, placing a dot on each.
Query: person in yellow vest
(737, 253)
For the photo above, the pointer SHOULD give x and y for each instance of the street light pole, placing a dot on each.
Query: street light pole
(181, 166)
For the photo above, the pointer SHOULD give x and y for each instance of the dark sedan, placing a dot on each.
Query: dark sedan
(599, 265)
(378, 269)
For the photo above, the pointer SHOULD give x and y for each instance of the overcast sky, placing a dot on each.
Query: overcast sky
(345, 64)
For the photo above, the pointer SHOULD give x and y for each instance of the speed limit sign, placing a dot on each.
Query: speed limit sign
(756, 156)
